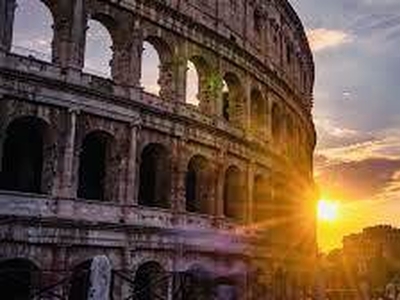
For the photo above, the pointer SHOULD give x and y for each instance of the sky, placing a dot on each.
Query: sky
(357, 112)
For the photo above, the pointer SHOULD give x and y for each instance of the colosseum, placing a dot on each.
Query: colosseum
(173, 198)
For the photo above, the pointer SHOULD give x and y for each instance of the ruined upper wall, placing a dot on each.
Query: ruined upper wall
(269, 30)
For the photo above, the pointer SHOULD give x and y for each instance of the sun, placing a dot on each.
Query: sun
(328, 210)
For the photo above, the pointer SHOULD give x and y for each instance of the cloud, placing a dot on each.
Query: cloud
(359, 180)
(323, 38)
(384, 145)
(332, 135)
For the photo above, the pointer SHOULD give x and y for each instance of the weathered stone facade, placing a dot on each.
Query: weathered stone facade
(93, 166)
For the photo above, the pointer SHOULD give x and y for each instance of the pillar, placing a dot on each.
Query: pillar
(127, 56)
(70, 34)
(166, 81)
(179, 169)
(64, 186)
(247, 100)
(268, 116)
(179, 70)
(250, 192)
(220, 180)
(131, 192)
(7, 9)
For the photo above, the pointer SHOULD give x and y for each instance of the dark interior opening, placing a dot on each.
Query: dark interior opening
(22, 161)
(92, 166)
(233, 194)
(18, 279)
(79, 285)
(154, 187)
(151, 282)
(191, 184)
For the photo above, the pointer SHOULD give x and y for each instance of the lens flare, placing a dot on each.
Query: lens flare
(328, 210)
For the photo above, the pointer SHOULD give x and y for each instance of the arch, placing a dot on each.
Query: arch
(98, 47)
(276, 123)
(258, 110)
(27, 156)
(95, 166)
(198, 185)
(192, 84)
(225, 100)
(198, 284)
(80, 281)
(36, 39)
(233, 99)
(156, 68)
(260, 198)
(198, 83)
(151, 282)
(233, 194)
(258, 20)
(155, 177)
(150, 69)
(19, 278)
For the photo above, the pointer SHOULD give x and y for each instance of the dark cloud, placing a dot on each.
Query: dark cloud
(356, 181)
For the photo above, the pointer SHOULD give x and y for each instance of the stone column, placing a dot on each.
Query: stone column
(127, 55)
(70, 34)
(3, 131)
(250, 192)
(131, 192)
(220, 180)
(179, 70)
(64, 186)
(7, 9)
(179, 169)
(247, 112)
(166, 81)
(269, 117)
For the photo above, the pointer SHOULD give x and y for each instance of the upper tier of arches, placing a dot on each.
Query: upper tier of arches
(124, 46)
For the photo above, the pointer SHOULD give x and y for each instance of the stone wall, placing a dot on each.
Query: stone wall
(268, 140)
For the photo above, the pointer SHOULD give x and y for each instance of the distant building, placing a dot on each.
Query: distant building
(382, 240)
(367, 262)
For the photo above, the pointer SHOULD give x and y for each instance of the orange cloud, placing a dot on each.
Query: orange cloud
(322, 38)
(385, 146)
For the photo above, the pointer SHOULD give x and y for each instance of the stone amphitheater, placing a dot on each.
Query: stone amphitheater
(207, 201)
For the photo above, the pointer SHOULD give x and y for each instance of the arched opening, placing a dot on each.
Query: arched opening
(233, 107)
(257, 21)
(227, 288)
(151, 282)
(25, 151)
(98, 50)
(258, 111)
(192, 84)
(150, 69)
(276, 123)
(198, 185)
(260, 199)
(233, 194)
(36, 39)
(198, 284)
(94, 166)
(225, 100)
(155, 177)
(80, 281)
(19, 278)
